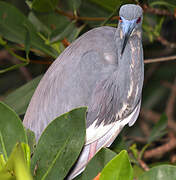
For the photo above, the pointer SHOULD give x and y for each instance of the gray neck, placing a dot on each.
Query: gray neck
(133, 50)
(115, 97)
(130, 69)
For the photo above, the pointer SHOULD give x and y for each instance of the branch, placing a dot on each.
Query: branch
(72, 16)
(154, 117)
(165, 42)
(156, 11)
(162, 59)
(143, 165)
(159, 151)
(145, 7)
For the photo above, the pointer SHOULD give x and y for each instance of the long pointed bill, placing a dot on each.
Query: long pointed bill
(127, 29)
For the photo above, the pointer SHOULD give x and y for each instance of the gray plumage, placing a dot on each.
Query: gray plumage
(94, 71)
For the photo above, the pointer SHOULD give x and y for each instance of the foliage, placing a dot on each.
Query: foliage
(55, 153)
(118, 168)
(35, 32)
(58, 148)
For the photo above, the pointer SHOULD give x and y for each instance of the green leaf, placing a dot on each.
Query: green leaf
(11, 130)
(159, 129)
(75, 4)
(118, 168)
(59, 145)
(96, 164)
(158, 27)
(19, 99)
(75, 33)
(162, 172)
(27, 153)
(2, 42)
(16, 167)
(27, 42)
(119, 144)
(72, 4)
(109, 5)
(39, 25)
(44, 5)
(57, 35)
(31, 140)
(134, 150)
(163, 3)
(2, 161)
(51, 21)
(13, 28)
(88, 9)
(138, 171)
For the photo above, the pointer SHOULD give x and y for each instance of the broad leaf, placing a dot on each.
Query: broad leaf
(162, 172)
(57, 35)
(89, 9)
(13, 26)
(96, 164)
(138, 171)
(109, 5)
(39, 25)
(19, 99)
(31, 140)
(60, 145)
(72, 5)
(11, 130)
(119, 144)
(167, 4)
(16, 167)
(50, 21)
(118, 168)
(44, 5)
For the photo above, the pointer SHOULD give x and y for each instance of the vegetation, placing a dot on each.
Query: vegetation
(32, 34)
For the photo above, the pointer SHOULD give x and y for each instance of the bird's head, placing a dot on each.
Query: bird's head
(130, 20)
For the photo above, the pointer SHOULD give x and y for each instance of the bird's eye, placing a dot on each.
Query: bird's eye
(120, 19)
(138, 20)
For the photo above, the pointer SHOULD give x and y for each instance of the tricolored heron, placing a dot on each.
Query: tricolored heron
(103, 69)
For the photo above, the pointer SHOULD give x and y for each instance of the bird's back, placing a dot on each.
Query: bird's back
(71, 79)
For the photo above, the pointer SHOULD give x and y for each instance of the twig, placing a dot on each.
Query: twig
(150, 115)
(159, 151)
(162, 12)
(170, 106)
(171, 102)
(41, 62)
(143, 165)
(173, 158)
(24, 71)
(5, 55)
(72, 16)
(165, 42)
(162, 59)
(168, 84)
(146, 8)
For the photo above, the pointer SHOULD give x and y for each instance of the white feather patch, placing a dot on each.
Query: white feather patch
(94, 133)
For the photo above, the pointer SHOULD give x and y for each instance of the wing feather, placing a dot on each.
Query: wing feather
(105, 133)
